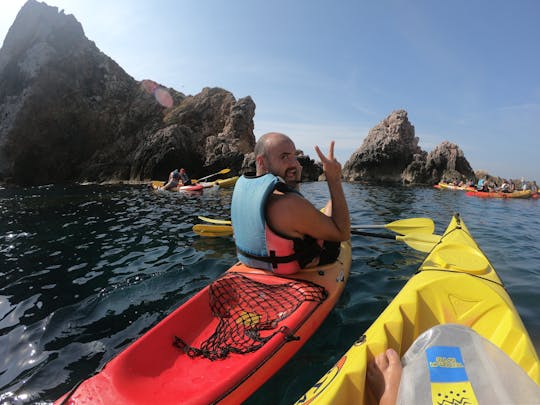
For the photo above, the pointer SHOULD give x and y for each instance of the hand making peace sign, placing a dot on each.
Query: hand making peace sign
(331, 167)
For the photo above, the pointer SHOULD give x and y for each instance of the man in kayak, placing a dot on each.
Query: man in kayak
(184, 178)
(174, 178)
(275, 227)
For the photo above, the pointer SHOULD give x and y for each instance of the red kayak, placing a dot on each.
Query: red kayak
(497, 194)
(158, 185)
(193, 187)
(224, 342)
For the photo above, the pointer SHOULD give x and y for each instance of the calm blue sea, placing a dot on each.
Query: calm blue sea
(86, 270)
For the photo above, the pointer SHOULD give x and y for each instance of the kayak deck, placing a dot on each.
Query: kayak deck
(221, 344)
(455, 284)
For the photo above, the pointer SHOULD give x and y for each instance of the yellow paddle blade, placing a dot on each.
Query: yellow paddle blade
(412, 225)
(212, 230)
(222, 171)
(423, 242)
(215, 221)
(405, 226)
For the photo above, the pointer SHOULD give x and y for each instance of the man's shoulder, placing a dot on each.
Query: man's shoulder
(287, 200)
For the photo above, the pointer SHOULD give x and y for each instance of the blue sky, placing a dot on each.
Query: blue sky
(465, 71)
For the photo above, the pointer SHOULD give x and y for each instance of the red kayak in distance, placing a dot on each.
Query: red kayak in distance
(157, 185)
(497, 194)
(193, 187)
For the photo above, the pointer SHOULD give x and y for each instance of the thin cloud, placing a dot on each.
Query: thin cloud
(348, 137)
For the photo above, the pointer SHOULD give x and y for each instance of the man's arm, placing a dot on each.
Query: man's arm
(294, 216)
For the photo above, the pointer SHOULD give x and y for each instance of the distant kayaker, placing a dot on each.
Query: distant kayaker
(481, 184)
(174, 178)
(505, 187)
(275, 227)
(184, 178)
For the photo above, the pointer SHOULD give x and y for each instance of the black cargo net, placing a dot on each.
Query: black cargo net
(249, 313)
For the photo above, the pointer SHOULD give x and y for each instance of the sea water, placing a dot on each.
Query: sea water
(86, 270)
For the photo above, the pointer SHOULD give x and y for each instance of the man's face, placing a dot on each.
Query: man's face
(281, 160)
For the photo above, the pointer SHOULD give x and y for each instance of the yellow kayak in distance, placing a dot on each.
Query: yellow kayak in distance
(446, 186)
(456, 284)
(228, 182)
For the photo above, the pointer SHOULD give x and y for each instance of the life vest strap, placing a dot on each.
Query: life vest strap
(271, 258)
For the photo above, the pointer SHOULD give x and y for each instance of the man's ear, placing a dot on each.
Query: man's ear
(260, 164)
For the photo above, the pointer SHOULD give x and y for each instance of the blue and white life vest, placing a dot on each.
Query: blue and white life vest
(480, 184)
(257, 244)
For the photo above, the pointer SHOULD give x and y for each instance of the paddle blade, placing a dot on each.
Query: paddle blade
(405, 226)
(215, 221)
(212, 230)
(222, 171)
(412, 225)
(423, 242)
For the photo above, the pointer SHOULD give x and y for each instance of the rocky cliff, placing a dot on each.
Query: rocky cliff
(69, 113)
(390, 154)
(386, 151)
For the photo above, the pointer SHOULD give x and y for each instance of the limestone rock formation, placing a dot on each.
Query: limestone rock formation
(446, 162)
(390, 153)
(385, 153)
(211, 130)
(68, 112)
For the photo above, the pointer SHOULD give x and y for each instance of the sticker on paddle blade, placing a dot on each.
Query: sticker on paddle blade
(448, 377)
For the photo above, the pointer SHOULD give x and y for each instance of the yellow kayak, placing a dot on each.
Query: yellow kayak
(229, 182)
(447, 186)
(455, 284)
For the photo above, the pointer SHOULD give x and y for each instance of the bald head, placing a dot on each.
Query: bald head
(269, 139)
(276, 153)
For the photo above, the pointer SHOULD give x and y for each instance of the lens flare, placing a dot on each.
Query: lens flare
(162, 95)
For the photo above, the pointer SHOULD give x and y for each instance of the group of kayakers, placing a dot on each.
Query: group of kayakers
(506, 186)
(178, 177)
(488, 184)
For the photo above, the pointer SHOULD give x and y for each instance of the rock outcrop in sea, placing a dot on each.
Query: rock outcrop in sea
(390, 154)
(69, 113)
(446, 162)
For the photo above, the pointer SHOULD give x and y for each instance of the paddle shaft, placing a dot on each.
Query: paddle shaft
(375, 235)
(222, 171)
(367, 226)
(401, 226)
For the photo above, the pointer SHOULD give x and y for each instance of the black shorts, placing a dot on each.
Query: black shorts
(330, 252)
